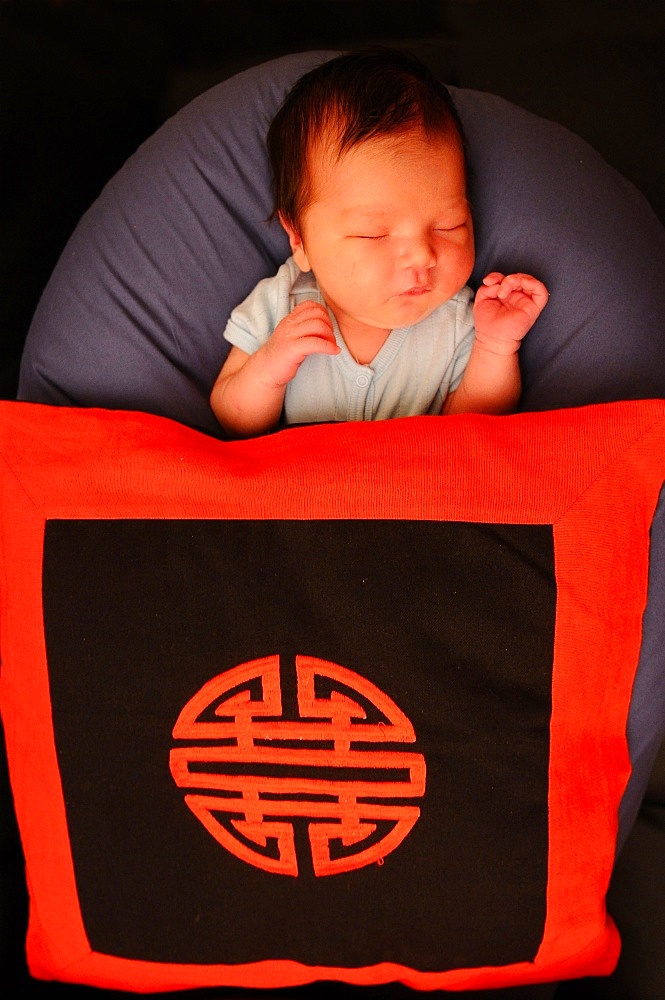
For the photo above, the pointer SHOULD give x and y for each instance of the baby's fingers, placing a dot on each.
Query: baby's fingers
(493, 278)
(308, 310)
(315, 334)
(526, 284)
(314, 343)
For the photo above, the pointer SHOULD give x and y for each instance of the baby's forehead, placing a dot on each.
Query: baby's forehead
(385, 177)
(394, 168)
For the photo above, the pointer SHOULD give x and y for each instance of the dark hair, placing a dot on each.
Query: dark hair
(360, 95)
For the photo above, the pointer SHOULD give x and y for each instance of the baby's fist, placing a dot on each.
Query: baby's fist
(306, 330)
(505, 309)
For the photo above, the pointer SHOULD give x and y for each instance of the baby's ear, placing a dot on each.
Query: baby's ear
(296, 243)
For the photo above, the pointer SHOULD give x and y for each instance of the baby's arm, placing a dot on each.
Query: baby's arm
(505, 309)
(248, 395)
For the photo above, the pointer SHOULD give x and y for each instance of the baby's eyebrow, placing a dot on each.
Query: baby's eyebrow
(367, 211)
(380, 211)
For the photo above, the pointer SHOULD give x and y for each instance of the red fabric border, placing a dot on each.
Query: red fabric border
(595, 473)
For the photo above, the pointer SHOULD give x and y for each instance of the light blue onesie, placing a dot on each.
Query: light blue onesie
(412, 373)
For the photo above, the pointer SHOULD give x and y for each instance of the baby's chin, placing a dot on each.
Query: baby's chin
(399, 312)
(409, 309)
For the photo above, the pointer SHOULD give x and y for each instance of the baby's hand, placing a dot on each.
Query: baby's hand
(505, 309)
(307, 330)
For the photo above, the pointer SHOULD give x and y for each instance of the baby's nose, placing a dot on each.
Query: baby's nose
(419, 253)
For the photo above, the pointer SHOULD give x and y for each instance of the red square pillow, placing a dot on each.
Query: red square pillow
(343, 703)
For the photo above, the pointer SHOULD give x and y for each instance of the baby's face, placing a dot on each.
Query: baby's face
(387, 230)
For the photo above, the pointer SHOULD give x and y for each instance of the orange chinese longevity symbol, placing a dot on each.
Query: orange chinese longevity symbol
(260, 773)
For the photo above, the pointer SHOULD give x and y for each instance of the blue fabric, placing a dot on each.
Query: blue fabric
(134, 313)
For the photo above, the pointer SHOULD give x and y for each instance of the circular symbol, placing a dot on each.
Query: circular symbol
(254, 773)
